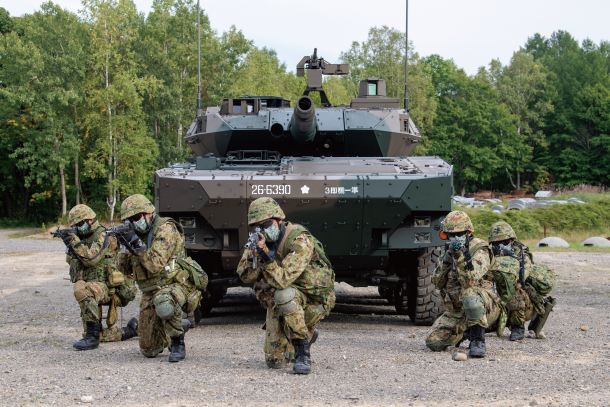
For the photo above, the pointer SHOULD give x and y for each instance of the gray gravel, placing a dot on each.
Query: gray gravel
(366, 354)
(33, 244)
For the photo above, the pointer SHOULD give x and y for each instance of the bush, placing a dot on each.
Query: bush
(565, 219)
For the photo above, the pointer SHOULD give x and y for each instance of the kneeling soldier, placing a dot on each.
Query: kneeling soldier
(169, 280)
(524, 294)
(469, 298)
(91, 253)
(293, 279)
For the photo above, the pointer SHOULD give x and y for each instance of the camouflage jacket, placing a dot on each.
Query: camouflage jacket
(505, 273)
(452, 281)
(157, 266)
(301, 268)
(529, 257)
(95, 261)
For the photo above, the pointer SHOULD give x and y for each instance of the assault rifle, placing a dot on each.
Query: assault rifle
(252, 244)
(127, 237)
(455, 246)
(64, 235)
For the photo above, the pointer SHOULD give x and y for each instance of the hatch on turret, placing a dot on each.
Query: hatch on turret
(372, 95)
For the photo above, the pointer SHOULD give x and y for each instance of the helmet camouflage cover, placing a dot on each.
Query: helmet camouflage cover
(136, 204)
(501, 231)
(263, 209)
(78, 213)
(457, 221)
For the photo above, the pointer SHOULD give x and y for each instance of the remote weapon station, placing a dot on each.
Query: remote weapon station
(344, 172)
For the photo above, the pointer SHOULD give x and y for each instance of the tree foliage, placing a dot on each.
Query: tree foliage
(91, 103)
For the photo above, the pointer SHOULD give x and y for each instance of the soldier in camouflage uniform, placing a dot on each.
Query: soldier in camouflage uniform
(470, 300)
(293, 280)
(91, 254)
(170, 282)
(521, 277)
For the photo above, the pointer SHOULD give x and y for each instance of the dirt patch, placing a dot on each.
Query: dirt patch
(366, 354)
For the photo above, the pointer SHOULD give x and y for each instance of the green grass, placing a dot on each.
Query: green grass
(17, 223)
(574, 247)
(571, 222)
(17, 235)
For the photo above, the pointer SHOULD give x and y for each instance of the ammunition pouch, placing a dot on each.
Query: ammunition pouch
(473, 307)
(115, 277)
(196, 274)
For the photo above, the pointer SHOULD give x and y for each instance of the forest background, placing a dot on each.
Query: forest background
(92, 103)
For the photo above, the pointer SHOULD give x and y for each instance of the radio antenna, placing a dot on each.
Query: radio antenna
(407, 58)
(199, 111)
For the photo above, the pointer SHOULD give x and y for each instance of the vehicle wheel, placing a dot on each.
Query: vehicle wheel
(424, 299)
(205, 307)
(387, 294)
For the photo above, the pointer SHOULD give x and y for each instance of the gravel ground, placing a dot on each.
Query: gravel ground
(366, 354)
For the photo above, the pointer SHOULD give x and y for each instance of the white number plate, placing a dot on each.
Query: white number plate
(270, 189)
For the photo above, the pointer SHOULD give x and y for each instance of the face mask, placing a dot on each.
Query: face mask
(501, 250)
(272, 233)
(83, 229)
(141, 225)
(458, 241)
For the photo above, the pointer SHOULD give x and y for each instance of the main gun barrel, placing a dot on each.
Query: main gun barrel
(303, 125)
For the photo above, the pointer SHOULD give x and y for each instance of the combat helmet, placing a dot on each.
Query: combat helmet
(79, 213)
(457, 221)
(136, 204)
(263, 209)
(501, 231)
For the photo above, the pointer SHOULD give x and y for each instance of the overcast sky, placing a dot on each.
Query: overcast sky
(472, 32)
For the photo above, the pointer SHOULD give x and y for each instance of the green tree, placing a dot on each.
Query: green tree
(522, 86)
(473, 129)
(383, 55)
(118, 147)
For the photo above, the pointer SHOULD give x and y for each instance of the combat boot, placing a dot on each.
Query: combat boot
(517, 332)
(130, 330)
(477, 342)
(91, 339)
(178, 349)
(186, 325)
(302, 361)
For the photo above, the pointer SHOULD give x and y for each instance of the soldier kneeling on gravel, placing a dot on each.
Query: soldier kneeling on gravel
(169, 280)
(91, 253)
(294, 281)
(522, 291)
(470, 300)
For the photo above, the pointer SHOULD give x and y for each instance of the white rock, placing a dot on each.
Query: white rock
(459, 357)
(87, 399)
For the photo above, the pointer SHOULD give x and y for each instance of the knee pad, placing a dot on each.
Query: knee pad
(438, 346)
(81, 291)
(473, 307)
(284, 299)
(165, 306)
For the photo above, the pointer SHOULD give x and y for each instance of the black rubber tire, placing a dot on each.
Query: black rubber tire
(425, 304)
(205, 306)
(388, 294)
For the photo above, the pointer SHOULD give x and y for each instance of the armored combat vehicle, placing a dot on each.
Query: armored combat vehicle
(344, 172)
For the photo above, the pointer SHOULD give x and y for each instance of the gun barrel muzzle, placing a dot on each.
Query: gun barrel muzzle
(303, 125)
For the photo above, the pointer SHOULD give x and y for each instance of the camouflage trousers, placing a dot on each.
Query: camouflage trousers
(449, 328)
(95, 295)
(521, 308)
(298, 323)
(154, 333)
